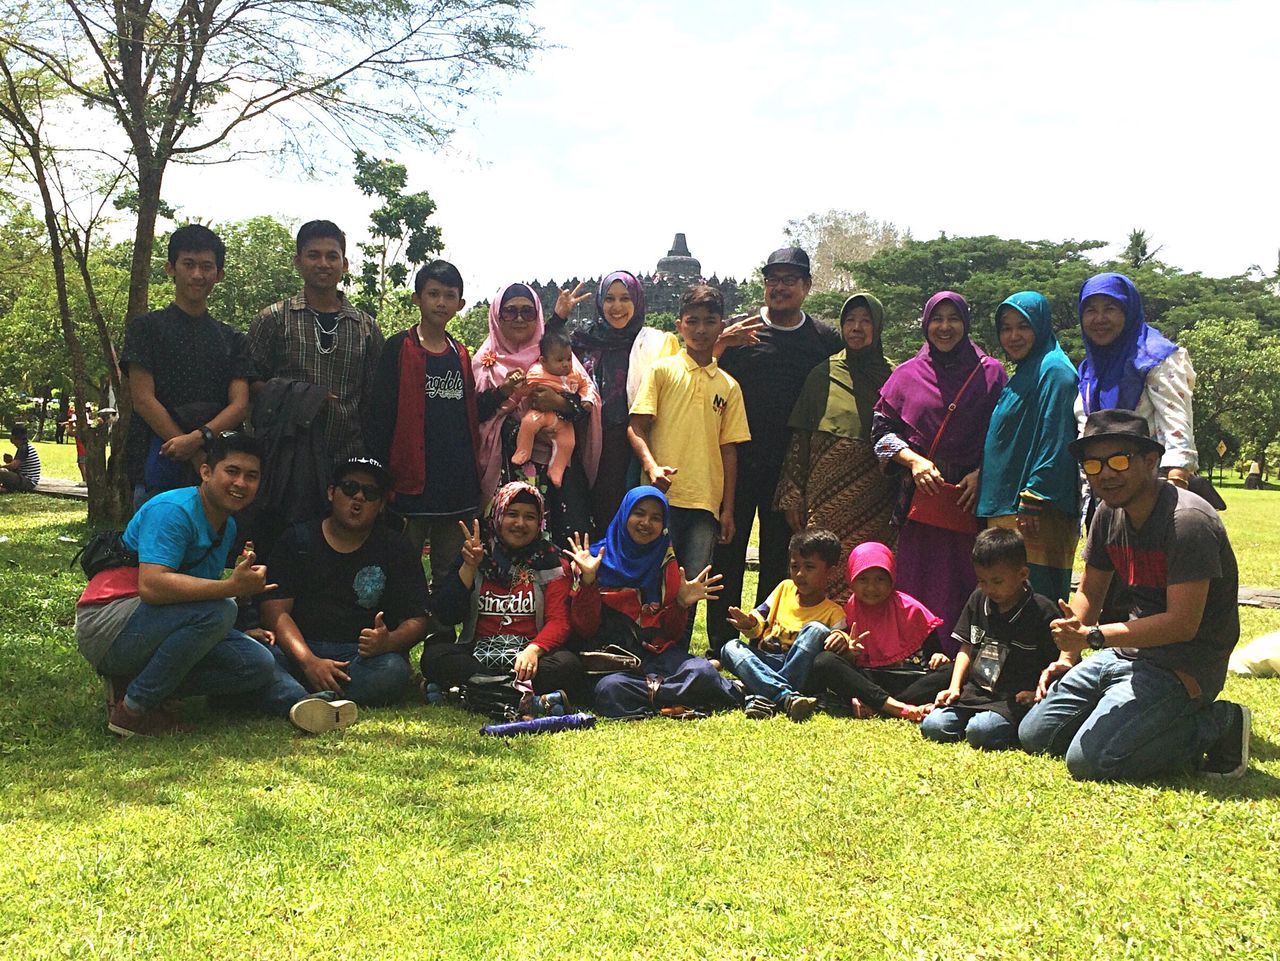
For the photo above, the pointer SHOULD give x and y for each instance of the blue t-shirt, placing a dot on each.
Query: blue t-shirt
(172, 529)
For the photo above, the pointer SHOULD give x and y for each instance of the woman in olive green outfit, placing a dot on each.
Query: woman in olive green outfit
(831, 477)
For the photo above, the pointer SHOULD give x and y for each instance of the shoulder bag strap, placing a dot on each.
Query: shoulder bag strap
(951, 408)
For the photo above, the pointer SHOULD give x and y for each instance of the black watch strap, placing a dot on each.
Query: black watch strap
(1095, 638)
(206, 436)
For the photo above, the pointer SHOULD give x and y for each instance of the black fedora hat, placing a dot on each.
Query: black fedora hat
(1116, 425)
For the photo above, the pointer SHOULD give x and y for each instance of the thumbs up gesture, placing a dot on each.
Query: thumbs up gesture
(375, 640)
(1068, 633)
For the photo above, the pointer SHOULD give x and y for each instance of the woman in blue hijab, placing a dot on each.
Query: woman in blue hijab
(631, 593)
(1129, 365)
(1029, 479)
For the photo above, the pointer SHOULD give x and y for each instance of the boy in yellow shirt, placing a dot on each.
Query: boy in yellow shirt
(685, 422)
(788, 630)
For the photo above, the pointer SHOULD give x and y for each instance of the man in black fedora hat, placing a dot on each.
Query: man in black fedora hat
(1144, 702)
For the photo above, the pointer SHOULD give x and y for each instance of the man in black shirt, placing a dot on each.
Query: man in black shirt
(351, 597)
(1144, 703)
(188, 373)
(771, 371)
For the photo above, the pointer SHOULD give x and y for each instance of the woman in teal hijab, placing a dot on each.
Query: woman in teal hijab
(1030, 482)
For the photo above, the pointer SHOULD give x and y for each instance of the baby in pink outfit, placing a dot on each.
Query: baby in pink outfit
(554, 369)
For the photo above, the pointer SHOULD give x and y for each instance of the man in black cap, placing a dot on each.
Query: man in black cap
(1144, 702)
(352, 597)
(771, 372)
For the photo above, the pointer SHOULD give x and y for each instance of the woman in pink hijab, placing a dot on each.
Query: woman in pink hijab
(502, 397)
(891, 661)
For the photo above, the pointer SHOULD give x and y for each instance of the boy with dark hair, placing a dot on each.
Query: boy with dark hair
(1005, 644)
(315, 343)
(163, 629)
(351, 597)
(21, 471)
(686, 423)
(188, 373)
(788, 630)
(422, 420)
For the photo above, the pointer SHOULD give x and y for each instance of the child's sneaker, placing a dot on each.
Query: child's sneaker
(758, 708)
(1228, 758)
(797, 706)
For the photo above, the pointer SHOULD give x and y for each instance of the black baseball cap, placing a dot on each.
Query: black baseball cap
(1116, 425)
(367, 464)
(788, 257)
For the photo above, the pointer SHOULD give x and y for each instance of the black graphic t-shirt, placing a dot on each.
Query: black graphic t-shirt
(452, 488)
(335, 595)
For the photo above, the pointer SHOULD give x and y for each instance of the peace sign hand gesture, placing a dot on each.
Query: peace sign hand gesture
(472, 546)
(579, 552)
(566, 300)
(702, 588)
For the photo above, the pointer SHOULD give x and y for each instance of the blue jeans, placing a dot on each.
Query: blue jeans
(181, 650)
(694, 533)
(982, 729)
(1116, 719)
(775, 675)
(375, 681)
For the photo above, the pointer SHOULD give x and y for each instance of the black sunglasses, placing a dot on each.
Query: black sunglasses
(511, 313)
(372, 492)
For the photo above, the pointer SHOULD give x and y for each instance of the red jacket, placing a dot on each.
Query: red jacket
(667, 616)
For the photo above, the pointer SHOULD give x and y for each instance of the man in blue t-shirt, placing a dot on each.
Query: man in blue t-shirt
(1144, 703)
(172, 636)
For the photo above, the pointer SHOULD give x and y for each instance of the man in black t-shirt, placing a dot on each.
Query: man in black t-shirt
(771, 371)
(351, 597)
(1144, 703)
(188, 373)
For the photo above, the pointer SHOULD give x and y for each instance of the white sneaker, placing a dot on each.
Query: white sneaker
(315, 715)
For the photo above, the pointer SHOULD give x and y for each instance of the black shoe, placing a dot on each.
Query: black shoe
(1228, 758)
(758, 708)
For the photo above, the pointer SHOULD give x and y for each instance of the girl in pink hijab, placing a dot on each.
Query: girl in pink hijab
(502, 397)
(891, 661)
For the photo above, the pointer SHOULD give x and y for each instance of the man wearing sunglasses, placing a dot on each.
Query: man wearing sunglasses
(351, 597)
(1144, 702)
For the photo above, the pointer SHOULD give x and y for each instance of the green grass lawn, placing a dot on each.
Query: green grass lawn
(410, 836)
(58, 460)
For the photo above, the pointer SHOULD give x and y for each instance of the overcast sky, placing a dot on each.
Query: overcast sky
(724, 120)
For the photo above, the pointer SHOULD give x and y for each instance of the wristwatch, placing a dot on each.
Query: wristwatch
(206, 437)
(1095, 639)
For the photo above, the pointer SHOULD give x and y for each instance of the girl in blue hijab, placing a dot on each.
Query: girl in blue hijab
(1029, 479)
(631, 592)
(1129, 365)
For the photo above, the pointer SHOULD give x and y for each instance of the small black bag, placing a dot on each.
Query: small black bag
(105, 549)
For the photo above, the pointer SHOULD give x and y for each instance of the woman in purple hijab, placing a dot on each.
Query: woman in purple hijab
(934, 564)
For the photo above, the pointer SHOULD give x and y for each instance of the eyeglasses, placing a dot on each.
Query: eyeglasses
(1121, 461)
(372, 492)
(785, 280)
(524, 313)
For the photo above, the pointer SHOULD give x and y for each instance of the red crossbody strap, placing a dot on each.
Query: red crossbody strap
(951, 408)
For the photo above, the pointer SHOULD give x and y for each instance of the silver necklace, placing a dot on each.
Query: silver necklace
(321, 332)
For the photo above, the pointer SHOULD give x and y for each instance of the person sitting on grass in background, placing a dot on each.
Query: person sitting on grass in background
(554, 369)
(632, 592)
(510, 591)
(21, 471)
(163, 629)
(890, 660)
(788, 630)
(685, 424)
(423, 424)
(1145, 702)
(1005, 644)
(351, 597)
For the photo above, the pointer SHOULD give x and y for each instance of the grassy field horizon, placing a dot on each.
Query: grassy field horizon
(411, 836)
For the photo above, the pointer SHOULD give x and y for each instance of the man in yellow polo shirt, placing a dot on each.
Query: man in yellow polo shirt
(685, 421)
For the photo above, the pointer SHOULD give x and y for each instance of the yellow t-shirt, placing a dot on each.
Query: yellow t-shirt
(695, 410)
(783, 617)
